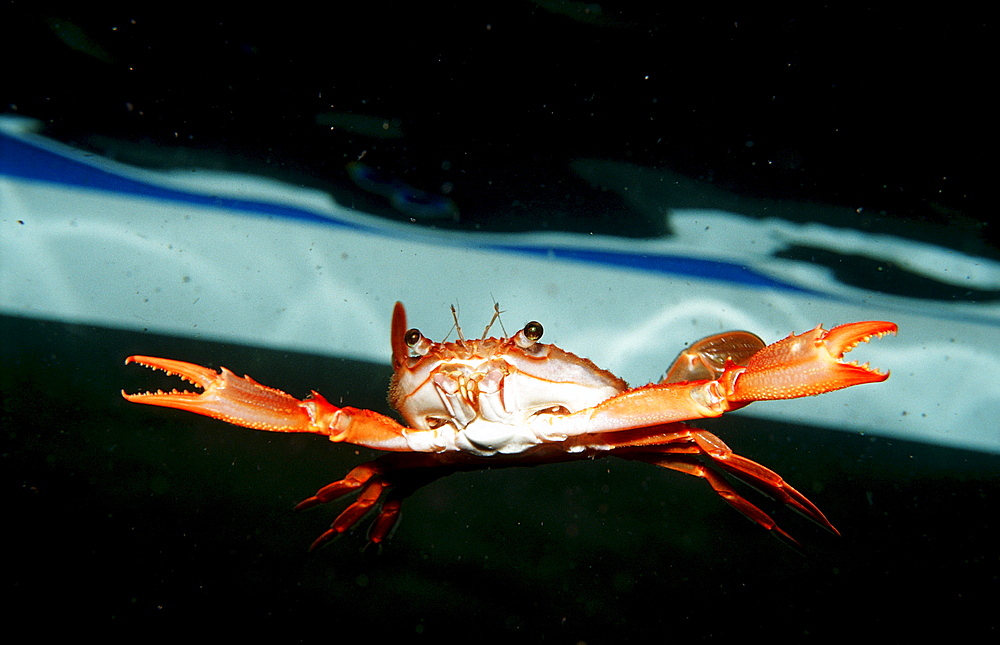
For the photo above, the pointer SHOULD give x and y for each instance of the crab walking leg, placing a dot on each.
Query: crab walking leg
(350, 483)
(678, 448)
(367, 498)
(384, 466)
(690, 466)
(387, 515)
(245, 402)
(753, 473)
(386, 481)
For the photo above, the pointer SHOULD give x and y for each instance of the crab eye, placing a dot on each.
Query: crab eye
(527, 337)
(412, 337)
(417, 342)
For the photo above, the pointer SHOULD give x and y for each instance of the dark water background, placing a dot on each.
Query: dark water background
(857, 105)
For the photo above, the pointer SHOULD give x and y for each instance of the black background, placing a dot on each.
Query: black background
(122, 518)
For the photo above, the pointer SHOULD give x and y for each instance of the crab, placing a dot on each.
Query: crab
(514, 401)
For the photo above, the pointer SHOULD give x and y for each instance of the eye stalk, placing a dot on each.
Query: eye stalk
(530, 335)
(417, 342)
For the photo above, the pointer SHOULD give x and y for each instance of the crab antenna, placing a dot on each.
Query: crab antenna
(458, 328)
(495, 318)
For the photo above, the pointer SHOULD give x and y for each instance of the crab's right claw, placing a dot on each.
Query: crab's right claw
(225, 396)
(245, 402)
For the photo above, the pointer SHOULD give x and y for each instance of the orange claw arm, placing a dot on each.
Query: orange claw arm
(245, 402)
(797, 366)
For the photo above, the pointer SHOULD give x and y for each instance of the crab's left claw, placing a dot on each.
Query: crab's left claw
(803, 365)
(807, 364)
